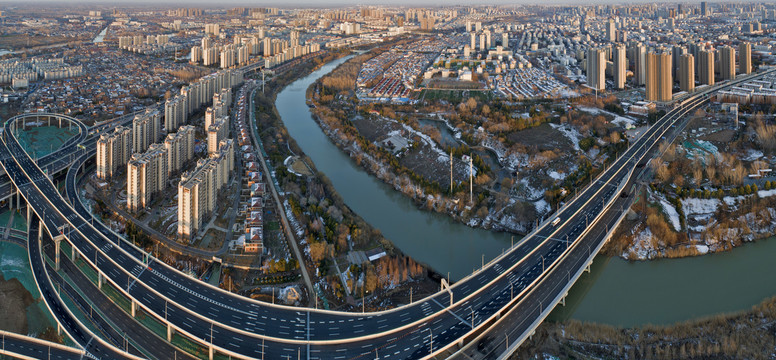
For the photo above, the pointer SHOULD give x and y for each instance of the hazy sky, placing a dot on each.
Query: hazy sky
(324, 3)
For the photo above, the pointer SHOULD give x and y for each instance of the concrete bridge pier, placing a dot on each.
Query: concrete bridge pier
(57, 241)
(211, 352)
(99, 280)
(18, 200)
(134, 308)
(170, 331)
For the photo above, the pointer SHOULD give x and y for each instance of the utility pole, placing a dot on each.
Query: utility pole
(451, 171)
(471, 179)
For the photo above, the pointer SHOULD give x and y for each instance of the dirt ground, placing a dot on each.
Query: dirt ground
(299, 166)
(14, 299)
(721, 137)
(542, 137)
(375, 129)
(425, 162)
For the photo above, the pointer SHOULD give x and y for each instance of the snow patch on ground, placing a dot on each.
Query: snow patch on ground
(700, 206)
(542, 207)
(591, 110)
(530, 191)
(624, 121)
(766, 193)
(569, 132)
(642, 248)
(670, 211)
(556, 175)
(752, 155)
(733, 200)
(703, 249)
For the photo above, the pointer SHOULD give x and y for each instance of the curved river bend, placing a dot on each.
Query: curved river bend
(428, 237)
(616, 292)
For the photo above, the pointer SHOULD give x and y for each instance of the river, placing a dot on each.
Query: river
(616, 292)
(431, 238)
(101, 35)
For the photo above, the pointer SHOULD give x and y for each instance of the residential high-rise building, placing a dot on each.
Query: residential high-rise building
(704, 8)
(198, 189)
(659, 81)
(744, 58)
(686, 72)
(488, 39)
(214, 29)
(611, 31)
(596, 69)
(727, 63)
(146, 129)
(676, 53)
(638, 54)
(266, 47)
(175, 110)
(427, 23)
(146, 176)
(210, 56)
(196, 54)
(113, 151)
(227, 57)
(620, 66)
(706, 67)
(505, 40)
(180, 148)
(215, 133)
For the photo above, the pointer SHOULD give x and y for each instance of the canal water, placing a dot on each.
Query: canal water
(99, 38)
(616, 292)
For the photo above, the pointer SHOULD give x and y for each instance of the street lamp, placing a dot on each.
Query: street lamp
(472, 309)
(431, 340)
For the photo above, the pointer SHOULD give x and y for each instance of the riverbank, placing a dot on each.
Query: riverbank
(744, 335)
(661, 227)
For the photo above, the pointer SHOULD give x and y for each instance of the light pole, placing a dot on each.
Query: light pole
(431, 340)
